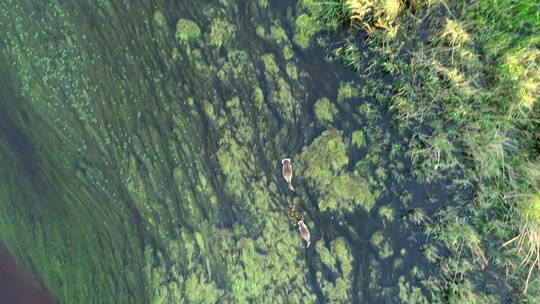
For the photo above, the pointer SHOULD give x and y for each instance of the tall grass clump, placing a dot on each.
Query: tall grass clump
(527, 241)
(380, 14)
(371, 15)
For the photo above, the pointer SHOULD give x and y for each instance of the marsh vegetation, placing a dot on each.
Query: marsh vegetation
(141, 144)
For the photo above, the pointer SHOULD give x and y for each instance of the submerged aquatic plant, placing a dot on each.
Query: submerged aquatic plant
(325, 110)
(221, 32)
(187, 30)
(358, 139)
(305, 27)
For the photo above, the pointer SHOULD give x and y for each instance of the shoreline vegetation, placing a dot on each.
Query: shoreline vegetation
(464, 88)
(141, 145)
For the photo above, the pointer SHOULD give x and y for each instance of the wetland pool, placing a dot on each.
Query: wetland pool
(154, 132)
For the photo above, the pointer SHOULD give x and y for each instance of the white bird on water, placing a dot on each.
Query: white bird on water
(304, 231)
(287, 172)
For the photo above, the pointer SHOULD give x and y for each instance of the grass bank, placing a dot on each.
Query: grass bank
(462, 81)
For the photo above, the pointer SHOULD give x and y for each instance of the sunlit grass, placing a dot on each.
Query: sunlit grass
(454, 33)
(375, 14)
(523, 68)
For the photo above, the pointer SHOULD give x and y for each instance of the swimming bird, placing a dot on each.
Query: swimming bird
(287, 172)
(304, 231)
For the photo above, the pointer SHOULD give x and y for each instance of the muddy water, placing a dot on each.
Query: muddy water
(15, 286)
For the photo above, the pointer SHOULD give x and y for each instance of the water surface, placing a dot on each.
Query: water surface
(159, 143)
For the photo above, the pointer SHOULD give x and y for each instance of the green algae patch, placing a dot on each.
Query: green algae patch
(278, 34)
(260, 31)
(382, 244)
(358, 139)
(352, 191)
(336, 285)
(325, 110)
(160, 19)
(322, 164)
(288, 52)
(386, 213)
(233, 102)
(221, 32)
(305, 27)
(280, 93)
(324, 158)
(209, 109)
(187, 30)
(292, 71)
(175, 54)
(270, 66)
(346, 91)
(257, 96)
(263, 3)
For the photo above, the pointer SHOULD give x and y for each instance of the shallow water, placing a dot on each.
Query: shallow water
(15, 287)
(162, 161)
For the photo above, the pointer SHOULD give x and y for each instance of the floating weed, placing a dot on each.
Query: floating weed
(489, 151)
(358, 139)
(292, 71)
(325, 110)
(386, 213)
(261, 31)
(464, 292)
(431, 253)
(418, 216)
(346, 91)
(390, 9)
(221, 32)
(382, 244)
(339, 260)
(409, 293)
(305, 27)
(160, 19)
(187, 30)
